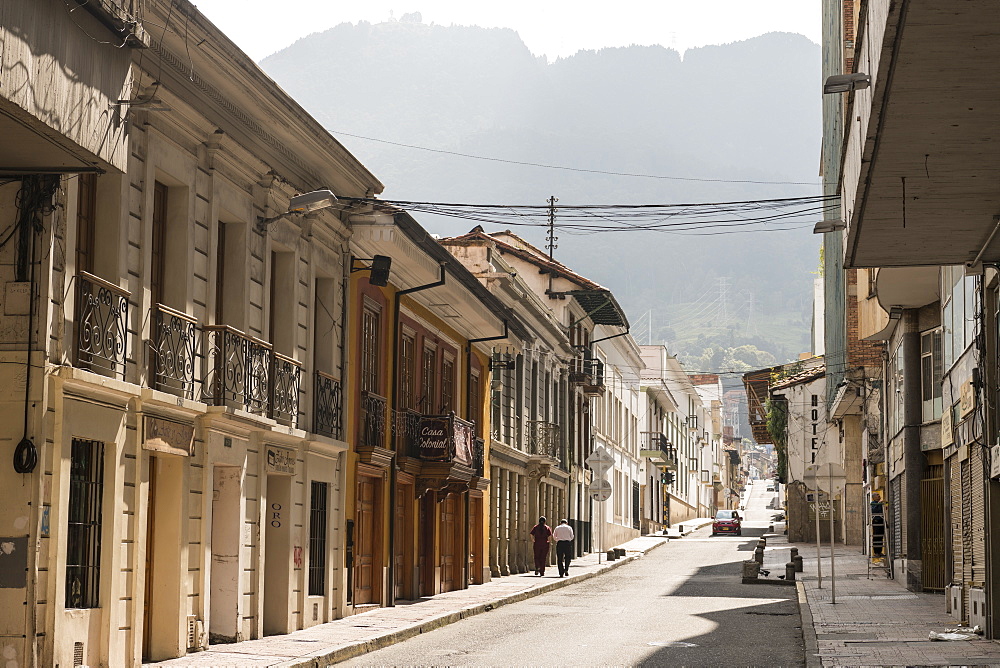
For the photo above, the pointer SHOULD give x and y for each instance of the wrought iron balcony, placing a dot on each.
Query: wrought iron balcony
(656, 447)
(173, 351)
(373, 416)
(543, 439)
(406, 426)
(286, 379)
(237, 369)
(101, 326)
(328, 411)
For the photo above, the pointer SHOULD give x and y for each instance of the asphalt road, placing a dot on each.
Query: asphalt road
(680, 605)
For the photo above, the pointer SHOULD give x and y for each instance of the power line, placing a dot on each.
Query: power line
(573, 169)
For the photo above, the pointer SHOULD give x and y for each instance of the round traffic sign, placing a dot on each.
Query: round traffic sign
(599, 489)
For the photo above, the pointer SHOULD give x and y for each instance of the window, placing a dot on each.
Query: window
(930, 375)
(958, 294)
(158, 249)
(408, 372)
(369, 349)
(447, 385)
(894, 398)
(86, 218)
(83, 537)
(317, 539)
(429, 380)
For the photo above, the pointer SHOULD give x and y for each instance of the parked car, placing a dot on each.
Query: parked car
(770, 487)
(727, 521)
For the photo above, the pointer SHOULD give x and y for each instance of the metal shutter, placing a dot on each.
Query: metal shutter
(977, 519)
(955, 518)
(897, 516)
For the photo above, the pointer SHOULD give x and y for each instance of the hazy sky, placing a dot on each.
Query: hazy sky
(550, 27)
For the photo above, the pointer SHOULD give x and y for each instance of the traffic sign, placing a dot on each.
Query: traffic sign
(600, 461)
(599, 489)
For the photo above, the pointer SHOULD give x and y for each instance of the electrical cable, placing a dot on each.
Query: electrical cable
(570, 169)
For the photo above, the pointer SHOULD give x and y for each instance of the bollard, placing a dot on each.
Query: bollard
(790, 572)
(612, 554)
(797, 560)
(758, 555)
(770, 528)
(620, 551)
(762, 541)
(750, 571)
(680, 528)
(795, 553)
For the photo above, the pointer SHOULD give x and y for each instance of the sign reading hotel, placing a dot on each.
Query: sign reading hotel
(445, 438)
(280, 460)
(175, 438)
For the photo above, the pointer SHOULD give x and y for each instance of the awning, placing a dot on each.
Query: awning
(600, 306)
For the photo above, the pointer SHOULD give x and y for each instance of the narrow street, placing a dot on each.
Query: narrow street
(687, 592)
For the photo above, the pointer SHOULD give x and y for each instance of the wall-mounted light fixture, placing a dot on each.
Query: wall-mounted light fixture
(304, 203)
(824, 226)
(895, 312)
(379, 265)
(846, 83)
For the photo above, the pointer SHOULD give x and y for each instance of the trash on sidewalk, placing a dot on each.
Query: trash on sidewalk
(978, 630)
(933, 635)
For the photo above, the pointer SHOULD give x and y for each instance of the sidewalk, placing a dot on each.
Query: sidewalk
(875, 622)
(352, 636)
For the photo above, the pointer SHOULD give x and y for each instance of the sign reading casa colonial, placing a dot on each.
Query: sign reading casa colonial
(446, 438)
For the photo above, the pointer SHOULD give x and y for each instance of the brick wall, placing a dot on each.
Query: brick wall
(859, 353)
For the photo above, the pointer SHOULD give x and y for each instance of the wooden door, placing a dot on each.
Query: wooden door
(147, 603)
(365, 558)
(450, 565)
(476, 540)
(400, 543)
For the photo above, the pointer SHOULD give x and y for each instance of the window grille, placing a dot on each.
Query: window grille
(317, 539)
(83, 542)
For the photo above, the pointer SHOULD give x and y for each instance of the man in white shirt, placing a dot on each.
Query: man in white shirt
(563, 535)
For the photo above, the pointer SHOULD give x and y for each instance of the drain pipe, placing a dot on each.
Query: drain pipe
(466, 540)
(394, 397)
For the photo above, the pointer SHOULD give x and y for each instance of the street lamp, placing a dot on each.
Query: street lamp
(846, 83)
(304, 203)
(829, 226)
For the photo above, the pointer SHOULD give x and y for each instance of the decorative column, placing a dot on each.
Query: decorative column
(504, 522)
(494, 521)
(525, 561)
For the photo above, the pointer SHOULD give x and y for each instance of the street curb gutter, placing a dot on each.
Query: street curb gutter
(363, 647)
(808, 630)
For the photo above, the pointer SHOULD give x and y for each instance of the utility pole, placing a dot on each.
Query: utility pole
(551, 237)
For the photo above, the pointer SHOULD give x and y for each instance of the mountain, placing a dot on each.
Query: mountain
(746, 111)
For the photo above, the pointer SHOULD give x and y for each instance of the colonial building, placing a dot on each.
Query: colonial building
(174, 352)
(543, 405)
(423, 335)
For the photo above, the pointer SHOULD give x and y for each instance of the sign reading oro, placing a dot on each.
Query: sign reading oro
(175, 438)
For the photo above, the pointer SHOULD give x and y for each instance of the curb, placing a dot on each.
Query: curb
(363, 647)
(812, 657)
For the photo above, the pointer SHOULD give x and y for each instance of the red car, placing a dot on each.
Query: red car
(727, 521)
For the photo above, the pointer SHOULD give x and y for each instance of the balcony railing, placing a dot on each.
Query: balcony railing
(328, 414)
(101, 326)
(655, 446)
(286, 379)
(542, 439)
(237, 369)
(406, 426)
(595, 386)
(173, 350)
(373, 416)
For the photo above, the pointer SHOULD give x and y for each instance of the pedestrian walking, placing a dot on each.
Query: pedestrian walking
(564, 536)
(542, 535)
